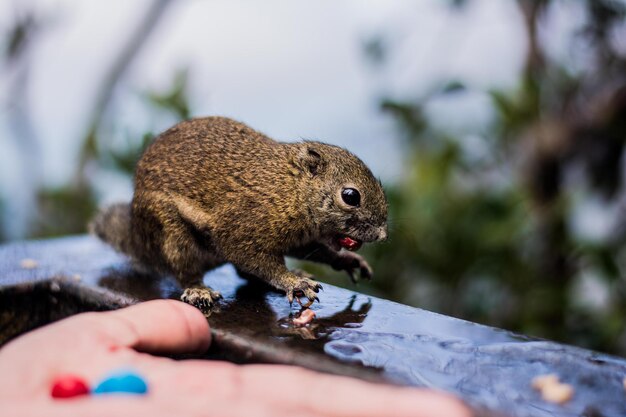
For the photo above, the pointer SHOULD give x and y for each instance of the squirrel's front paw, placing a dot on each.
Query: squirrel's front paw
(351, 262)
(200, 297)
(302, 286)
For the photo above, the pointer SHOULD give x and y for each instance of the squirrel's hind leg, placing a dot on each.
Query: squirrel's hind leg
(183, 249)
(195, 292)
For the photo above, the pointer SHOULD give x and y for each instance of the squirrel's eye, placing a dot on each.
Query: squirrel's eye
(351, 197)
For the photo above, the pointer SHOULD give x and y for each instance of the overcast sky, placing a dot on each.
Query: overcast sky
(292, 69)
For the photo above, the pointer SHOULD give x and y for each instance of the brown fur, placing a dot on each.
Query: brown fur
(212, 190)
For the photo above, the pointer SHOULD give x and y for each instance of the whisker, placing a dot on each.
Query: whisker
(308, 255)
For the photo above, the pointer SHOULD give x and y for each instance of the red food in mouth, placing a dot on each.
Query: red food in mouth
(348, 243)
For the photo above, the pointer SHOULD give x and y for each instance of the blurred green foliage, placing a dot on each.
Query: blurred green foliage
(64, 210)
(79, 197)
(490, 238)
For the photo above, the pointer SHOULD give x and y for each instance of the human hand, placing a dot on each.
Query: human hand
(91, 345)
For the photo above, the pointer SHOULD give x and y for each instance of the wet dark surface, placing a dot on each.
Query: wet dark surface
(352, 334)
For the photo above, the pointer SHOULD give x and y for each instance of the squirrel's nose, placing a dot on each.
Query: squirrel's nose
(382, 233)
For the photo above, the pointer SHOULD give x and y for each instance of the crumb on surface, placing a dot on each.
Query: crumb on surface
(553, 390)
(28, 263)
(542, 380)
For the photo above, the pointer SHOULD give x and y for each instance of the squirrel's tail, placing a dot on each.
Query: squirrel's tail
(112, 225)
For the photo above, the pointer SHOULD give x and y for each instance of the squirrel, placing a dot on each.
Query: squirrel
(212, 190)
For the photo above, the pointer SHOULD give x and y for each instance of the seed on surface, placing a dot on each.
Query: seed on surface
(542, 380)
(557, 393)
(552, 390)
(28, 263)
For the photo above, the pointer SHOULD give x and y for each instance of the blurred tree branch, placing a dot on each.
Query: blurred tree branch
(118, 68)
(17, 57)
(78, 197)
(507, 255)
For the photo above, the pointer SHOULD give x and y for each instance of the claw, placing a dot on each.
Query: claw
(352, 277)
(202, 298)
(308, 304)
(366, 273)
(317, 299)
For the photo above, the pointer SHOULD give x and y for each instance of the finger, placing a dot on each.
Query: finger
(213, 386)
(111, 405)
(159, 326)
(93, 407)
(305, 389)
(310, 392)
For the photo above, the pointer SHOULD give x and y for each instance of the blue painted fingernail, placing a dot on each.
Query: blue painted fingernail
(124, 381)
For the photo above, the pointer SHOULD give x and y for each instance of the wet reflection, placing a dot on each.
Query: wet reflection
(249, 307)
(256, 309)
(142, 286)
(317, 333)
(246, 311)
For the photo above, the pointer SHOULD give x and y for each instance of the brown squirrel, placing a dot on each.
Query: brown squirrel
(212, 190)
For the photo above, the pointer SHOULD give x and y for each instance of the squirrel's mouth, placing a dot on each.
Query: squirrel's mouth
(348, 243)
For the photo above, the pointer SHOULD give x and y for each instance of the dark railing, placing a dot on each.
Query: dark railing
(352, 334)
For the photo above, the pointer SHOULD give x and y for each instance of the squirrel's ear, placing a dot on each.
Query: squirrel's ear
(311, 161)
